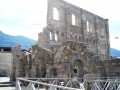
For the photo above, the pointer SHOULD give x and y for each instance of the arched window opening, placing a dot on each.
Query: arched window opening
(104, 45)
(55, 14)
(56, 37)
(102, 31)
(104, 56)
(78, 69)
(50, 36)
(90, 42)
(93, 42)
(101, 56)
(62, 34)
(88, 26)
(73, 19)
(79, 39)
(75, 38)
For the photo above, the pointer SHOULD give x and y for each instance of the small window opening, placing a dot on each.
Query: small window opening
(50, 36)
(104, 45)
(56, 38)
(62, 34)
(55, 14)
(79, 39)
(88, 26)
(93, 42)
(73, 19)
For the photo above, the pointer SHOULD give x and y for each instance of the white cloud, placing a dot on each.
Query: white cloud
(104, 8)
(115, 42)
(23, 17)
(30, 15)
(4, 28)
(31, 31)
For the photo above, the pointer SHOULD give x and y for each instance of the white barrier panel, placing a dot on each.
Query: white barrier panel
(4, 79)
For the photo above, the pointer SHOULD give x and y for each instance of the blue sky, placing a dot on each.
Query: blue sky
(28, 17)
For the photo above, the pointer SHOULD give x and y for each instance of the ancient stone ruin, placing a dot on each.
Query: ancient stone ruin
(74, 44)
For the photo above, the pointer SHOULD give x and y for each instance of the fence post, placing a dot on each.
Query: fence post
(18, 85)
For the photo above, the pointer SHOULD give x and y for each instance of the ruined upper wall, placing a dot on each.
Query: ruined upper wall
(65, 13)
(67, 19)
(67, 22)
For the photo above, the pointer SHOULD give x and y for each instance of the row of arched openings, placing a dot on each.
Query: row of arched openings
(55, 36)
(76, 37)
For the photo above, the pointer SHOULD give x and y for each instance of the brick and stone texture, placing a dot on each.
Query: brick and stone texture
(64, 46)
(34, 65)
(71, 55)
(75, 24)
(60, 61)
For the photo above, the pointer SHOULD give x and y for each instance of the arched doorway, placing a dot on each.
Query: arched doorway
(78, 69)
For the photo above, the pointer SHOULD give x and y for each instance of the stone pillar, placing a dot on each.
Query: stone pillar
(96, 35)
(82, 29)
(15, 55)
(107, 38)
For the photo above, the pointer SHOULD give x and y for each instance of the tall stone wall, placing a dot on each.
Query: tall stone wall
(105, 68)
(61, 60)
(72, 55)
(77, 40)
(75, 24)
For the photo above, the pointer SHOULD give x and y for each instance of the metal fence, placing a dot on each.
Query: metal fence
(109, 84)
(49, 84)
(93, 83)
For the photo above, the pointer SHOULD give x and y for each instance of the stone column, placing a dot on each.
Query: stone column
(96, 35)
(107, 38)
(15, 55)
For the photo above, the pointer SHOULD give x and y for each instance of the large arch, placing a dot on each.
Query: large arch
(69, 55)
(77, 64)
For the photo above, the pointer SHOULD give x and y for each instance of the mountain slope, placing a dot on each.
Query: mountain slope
(114, 52)
(10, 41)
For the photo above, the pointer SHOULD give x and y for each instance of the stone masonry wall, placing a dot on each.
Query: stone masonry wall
(34, 65)
(64, 46)
(69, 53)
(106, 68)
(60, 61)
(88, 28)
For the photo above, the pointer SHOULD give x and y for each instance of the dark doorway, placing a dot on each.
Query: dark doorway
(78, 69)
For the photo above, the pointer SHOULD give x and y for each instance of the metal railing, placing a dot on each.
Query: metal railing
(49, 84)
(109, 84)
(91, 83)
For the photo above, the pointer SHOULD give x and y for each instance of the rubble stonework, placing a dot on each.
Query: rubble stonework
(84, 27)
(35, 64)
(65, 50)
